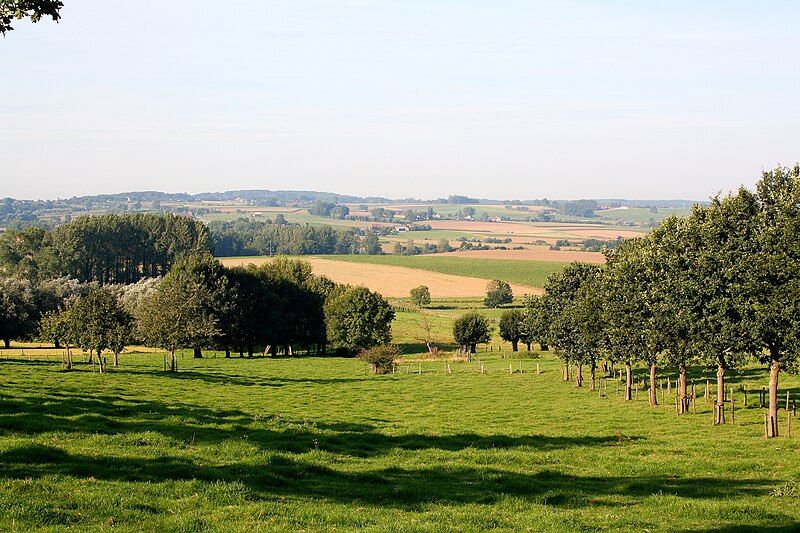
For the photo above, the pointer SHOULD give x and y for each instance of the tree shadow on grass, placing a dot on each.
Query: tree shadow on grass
(397, 487)
(183, 423)
(236, 379)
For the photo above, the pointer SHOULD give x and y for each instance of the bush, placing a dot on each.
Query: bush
(498, 293)
(381, 358)
(421, 295)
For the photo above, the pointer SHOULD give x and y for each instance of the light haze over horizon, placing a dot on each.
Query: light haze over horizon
(514, 99)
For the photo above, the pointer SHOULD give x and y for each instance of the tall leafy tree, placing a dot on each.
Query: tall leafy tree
(358, 319)
(776, 278)
(181, 312)
(471, 329)
(512, 327)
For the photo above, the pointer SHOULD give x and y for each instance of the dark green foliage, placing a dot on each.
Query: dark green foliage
(512, 327)
(184, 311)
(249, 237)
(381, 358)
(358, 319)
(498, 293)
(421, 296)
(35, 10)
(471, 329)
(105, 248)
(18, 310)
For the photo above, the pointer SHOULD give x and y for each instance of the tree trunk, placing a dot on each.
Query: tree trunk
(227, 353)
(116, 360)
(543, 346)
(719, 403)
(6, 343)
(528, 346)
(100, 366)
(772, 419)
(241, 351)
(683, 400)
(473, 348)
(653, 396)
(579, 375)
(628, 382)
(514, 346)
(250, 351)
(593, 372)
(56, 344)
(91, 357)
(198, 353)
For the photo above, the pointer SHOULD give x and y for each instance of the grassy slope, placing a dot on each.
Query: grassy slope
(531, 273)
(316, 443)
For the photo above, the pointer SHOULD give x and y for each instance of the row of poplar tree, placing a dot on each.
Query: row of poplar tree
(714, 289)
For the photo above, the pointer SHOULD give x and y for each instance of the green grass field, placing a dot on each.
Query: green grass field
(318, 444)
(641, 216)
(531, 273)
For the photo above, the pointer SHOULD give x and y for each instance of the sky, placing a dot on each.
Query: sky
(499, 99)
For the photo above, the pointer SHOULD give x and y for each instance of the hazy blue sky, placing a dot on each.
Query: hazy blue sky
(512, 99)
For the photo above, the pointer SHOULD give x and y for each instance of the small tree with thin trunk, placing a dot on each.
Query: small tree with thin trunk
(98, 321)
(381, 358)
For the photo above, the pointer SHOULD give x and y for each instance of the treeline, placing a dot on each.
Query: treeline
(715, 289)
(247, 237)
(103, 249)
(279, 307)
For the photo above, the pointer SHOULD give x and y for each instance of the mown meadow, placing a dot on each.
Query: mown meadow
(318, 443)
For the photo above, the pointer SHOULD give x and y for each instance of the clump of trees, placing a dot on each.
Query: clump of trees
(712, 289)
(105, 249)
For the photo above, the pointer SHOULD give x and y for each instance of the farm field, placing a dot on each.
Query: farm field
(392, 279)
(446, 275)
(316, 444)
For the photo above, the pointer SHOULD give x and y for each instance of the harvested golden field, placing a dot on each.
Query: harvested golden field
(392, 281)
(536, 254)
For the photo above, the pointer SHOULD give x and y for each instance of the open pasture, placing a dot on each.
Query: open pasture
(316, 444)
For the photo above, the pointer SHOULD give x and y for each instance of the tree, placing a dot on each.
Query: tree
(775, 278)
(421, 296)
(35, 10)
(498, 293)
(471, 329)
(631, 329)
(586, 311)
(98, 322)
(180, 313)
(18, 311)
(381, 358)
(723, 328)
(358, 319)
(512, 327)
(561, 290)
(57, 327)
(534, 323)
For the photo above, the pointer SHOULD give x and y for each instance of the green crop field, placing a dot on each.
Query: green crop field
(318, 444)
(531, 273)
(641, 216)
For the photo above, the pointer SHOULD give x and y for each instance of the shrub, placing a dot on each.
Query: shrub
(380, 357)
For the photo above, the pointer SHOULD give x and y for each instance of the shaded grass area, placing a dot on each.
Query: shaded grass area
(531, 273)
(317, 443)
